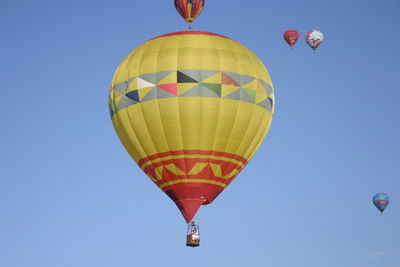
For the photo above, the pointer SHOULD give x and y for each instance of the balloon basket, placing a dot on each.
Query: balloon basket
(193, 235)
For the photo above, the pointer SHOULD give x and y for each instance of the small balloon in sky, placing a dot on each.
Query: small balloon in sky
(314, 38)
(291, 37)
(189, 9)
(381, 201)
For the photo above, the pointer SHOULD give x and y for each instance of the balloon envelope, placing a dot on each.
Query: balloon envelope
(314, 38)
(191, 108)
(381, 201)
(189, 9)
(291, 37)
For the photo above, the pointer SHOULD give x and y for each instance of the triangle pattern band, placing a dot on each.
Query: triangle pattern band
(143, 83)
(228, 79)
(191, 83)
(161, 93)
(200, 90)
(215, 87)
(156, 77)
(125, 102)
(151, 95)
(266, 104)
(171, 88)
(134, 95)
(267, 87)
(121, 87)
(183, 78)
(251, 94)
(199, 75)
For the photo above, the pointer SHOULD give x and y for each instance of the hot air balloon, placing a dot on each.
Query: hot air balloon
(191, 108)
(314, 38)
(291, 37)
(381, 201)
(189, 9)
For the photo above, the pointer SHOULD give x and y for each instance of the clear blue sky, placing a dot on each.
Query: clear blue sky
(71, 196)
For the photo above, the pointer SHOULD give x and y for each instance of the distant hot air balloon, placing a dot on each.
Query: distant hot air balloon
(189, 9)
(314, 38)
(291, 37)
(191, 108)
(381, 201)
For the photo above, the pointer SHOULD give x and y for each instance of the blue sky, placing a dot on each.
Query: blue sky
(71, 196)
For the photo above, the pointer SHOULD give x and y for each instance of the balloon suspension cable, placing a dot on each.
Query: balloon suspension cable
(382, 213)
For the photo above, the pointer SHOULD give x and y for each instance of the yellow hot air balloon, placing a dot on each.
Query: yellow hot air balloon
(191, 108)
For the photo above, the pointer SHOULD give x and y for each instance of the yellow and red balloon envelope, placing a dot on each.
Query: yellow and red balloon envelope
(191, 108)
